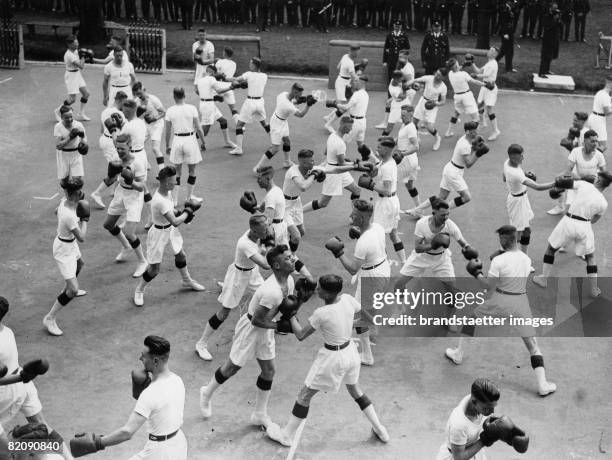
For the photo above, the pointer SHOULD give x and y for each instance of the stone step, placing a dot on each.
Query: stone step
(554, 82)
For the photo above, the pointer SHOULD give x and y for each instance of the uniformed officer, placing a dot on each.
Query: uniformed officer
(456, 12)
(567, 11)
(396, 41)
(506, 31)
(442, 12)
(418, 15)
(472, 24)
(427, 13)
(435, 50)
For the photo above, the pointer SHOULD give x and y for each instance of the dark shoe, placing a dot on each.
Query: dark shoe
(542, 75)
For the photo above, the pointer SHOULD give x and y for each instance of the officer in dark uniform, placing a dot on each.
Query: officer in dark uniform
(506, 31)
(292, 12)
(456, 12)
(442, 12)
(263, 9)
(395, 41)
(427, 12)
(551, 28)
(581, 9)
(418, 15)
(567, 11)
(517, 8)
(401, 10)
(472, 21)
(435, 50)
(542, 12)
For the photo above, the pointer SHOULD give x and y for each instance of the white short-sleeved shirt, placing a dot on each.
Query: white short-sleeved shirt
(160, 205)
(270, 295)
(137, 129)
(71, 59)
(395, 92)
(162, 403)
(371, 246)
(460, 430)
(512, 268)
(347, 66)
(463, 148)
(335, 147)
(138, 166)
(358, 103)
(514, 178)
(460, 81)
(284, 107)
(245, 249)
(207, 86)
(67, 221)
(335, 321)
(8, 349)
(119, 75)
(106, 113)
(207, 48)
(406, 132)
(181, 116)
(387, 172)
(407, 71)
(153, 105)
(588, 201)
(422, 230)
(257, 83)
(602, 101)
(489, 71)
(226, 67)
(290, 188)
(587, 167)
(275, 199)
(433, 92)
(59, 130)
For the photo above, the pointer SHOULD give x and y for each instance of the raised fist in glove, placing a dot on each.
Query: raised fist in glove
(566, 143)
(354, 232)
(479, 146)
(564, 182)
(114, 168)
(335, 246)
(149, 118)
(573, 133)
(83, 148)
(283, 326)
(83, 210)
(301, 100)
(503, 429)
(366, 181)
(289, 306)
(310, 100)
(128, 175)
(474, 267)
(489, 85)
(191, 206)
(469, 252)
(362, 65)
(118, 119)
(140, 381)
(3, 370)
(34, 368)
(318, 174)
(248, 202)
(304, 289)
(430, 105)
(531, 175)
(76, 132)
(140, 111)
(331, 103)
(218, 98)
(85, 443)
(440, 240)
(555, 193)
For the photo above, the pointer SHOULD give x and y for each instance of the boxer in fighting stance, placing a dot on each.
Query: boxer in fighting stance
(70, 140)
(401, 95)
(118, 76)
(337, 362)
(406, 153)
(602, 108)
(75, 84)
(346, 73)
(463, 96)
(154, 113)
(434, 96)
(487, 96)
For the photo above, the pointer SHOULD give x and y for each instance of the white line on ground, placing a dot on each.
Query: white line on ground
(561, 100)
(6, 79)
(45, 198)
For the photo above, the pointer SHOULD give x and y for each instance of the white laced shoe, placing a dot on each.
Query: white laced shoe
(123, 256)
(138, 298)
(52, 327)
(276, 433)
(494, 136)
(261, 419)
(205, 403)
(436, 145)
(193, 284)
(383, 435)
(547, 389)
(203, 352)
(140, 270)
(97, 199)
(455, 355)
(236, 151)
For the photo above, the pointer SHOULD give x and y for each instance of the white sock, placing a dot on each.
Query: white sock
(207, 334)
(261, 162)
(140, 254)
(123, 240)
(190, 190)
(460, 344)
(370, 413)
(292, 425)
(212, 386)
(101, 188)
(546, 269)
(239, 138)
(540, 373)
(261, 401)
(494, 124)
(592, 278)
(185, 274)
(226, 136)
(55, 309)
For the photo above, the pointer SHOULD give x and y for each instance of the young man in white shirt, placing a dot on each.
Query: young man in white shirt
(118, 76)
(434, 96)
(226, 66)
(487, 97)
(69, 136)
(602, 108)
(203, 52)
(154, 113)
(406, 153)
(73, 78)
(463, 96)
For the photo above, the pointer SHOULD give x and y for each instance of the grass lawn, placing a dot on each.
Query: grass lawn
(304, 51)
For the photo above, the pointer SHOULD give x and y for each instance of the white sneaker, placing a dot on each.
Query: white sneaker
(562, 249)
(138, 298)
(449, 133)
(366, 361)
(123, 256)
(203, 352)
(275, 433)
(383, 435)
(52, 327)
(455, 355)
(83, 117)
(436, 145)
(97, 199)
(220, 284)
(193, 284)
(81, 293)
(205, 403)
(413, 213)
(236, 151)
(382, 125)
(540, 281)
(555, 211)
(196, 198)
(230, 145)
(235, 118)
(261, 419)
(494, 136)
(140, 269)
(547, 389)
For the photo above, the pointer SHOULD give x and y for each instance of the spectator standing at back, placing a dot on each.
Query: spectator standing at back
(581, 9)
(435, 50)
(551, 36)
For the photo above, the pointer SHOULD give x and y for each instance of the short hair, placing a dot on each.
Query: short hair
(331, 283)
(386, 141)
(130, 103)
(470, 125)
(515, 148)
(407, 108)
(354, 47)
(229, 52)
(485, 391)
(590, 133)
(257, 62)
(65, 109)
(70, 39)
(201, 29)
(265, 171)
(137, 86)
(443, 71)
(363, 206)
(297, 87)
(117, 38)
(118, 50)
(397, 74)
(120, 95)
(275, 252)
(158, 346)
(404, 51)
(437, 203)
(257, 219)
(165, 172)
(4, 307)
(346, 119)
(451, 63)
(581, 115)
(178, 92)
(506, 230)
(305, 153)
(71, 184)
(123, 138)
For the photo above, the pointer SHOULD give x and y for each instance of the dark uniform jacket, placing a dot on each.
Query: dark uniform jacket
(435, 51)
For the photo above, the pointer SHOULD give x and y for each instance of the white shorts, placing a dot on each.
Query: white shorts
(155, 130)
(229, 97)
(66, 256)
(387, 212)
(252, 110)
(293, 212)
(488, 96)
(174, 448)
(69, 164)
(281, 234)
(445, 454)
(519, 211)
(452, 179)
(357, 133)
(335, 183)
(332, 368)
(395, 113)
(74, 81)
(209, 113)
(570, 231)
(236, 283)
(409, 168)
(422, 114)
(465, 103)
(441, 266)
(113, 90)
(376, 281)
(185, 149)
(598, 124)
(251, 342)
(278, 129)
(340, 86)
(108, 148)
(158, 238)
(505, 306)
(16, 398)
(128, 202)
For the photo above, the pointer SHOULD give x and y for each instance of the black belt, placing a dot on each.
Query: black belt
(333, 164)
(346, 78)
(574, 216)
(501, 291)
(456, 165)
(519, 194)
(287, 197)
(356, 118)
(463, 92)
(434, 253)
(253, 97)
(184, 134)
(243, 269)
(207, 100)
(282, 119)
(126, 187)
(385, 196)
(600, 114)
(162, 227)
(65, 240)
(277, 221)
(108, 135)
(155, 437)
(372, 267)
(70, 150)
(137, 150)
(123, 86)
(430, 100)
(337, 347)
(75, 70)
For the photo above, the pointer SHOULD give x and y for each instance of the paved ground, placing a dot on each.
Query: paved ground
(414, 388)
